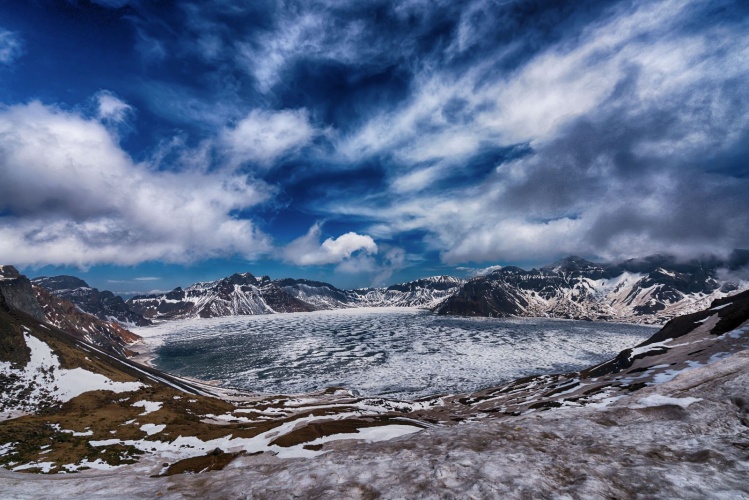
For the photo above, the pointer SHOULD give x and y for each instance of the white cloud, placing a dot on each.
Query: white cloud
(307, 250)
(74, 197)
(11, 46)
(305, 33)
(111, 108)
(263, 136)
(533, 103)
(634, 67)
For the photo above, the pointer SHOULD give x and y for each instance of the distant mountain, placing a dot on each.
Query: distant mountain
(319, 295)
(650, 290)
(238, 295)
(103, 304)
(425, 292)
(244, 294)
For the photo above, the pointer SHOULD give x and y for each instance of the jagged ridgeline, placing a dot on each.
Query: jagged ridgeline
(650, 290)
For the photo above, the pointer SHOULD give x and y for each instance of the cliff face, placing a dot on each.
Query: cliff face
(19, 294)
(107, 335)
(16, 292)
(100, 303)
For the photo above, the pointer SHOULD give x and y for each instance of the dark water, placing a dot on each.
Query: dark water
(403, 353)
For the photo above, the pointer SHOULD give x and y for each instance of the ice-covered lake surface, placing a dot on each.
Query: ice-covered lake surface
(399, 353)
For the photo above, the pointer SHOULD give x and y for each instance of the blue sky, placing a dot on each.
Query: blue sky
(145, 145)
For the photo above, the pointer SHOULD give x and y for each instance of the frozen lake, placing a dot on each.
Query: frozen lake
(394, 352)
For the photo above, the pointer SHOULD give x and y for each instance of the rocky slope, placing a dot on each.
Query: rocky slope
(103, 304)
(16, 292)
(651, 290)
(20, 294)
(105, 335)
(425, 292)
(43, 366)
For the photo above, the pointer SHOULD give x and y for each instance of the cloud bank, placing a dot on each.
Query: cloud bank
(71, 195)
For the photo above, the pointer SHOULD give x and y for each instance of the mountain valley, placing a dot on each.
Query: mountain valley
(668, 416)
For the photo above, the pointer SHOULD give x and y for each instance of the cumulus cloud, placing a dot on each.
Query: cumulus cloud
(263, 136)
(71, 195)
(307, 250)
(11, 46)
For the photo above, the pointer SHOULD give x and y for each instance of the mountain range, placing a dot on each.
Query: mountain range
(651, 290)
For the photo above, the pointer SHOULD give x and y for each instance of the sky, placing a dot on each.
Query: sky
(146, 145)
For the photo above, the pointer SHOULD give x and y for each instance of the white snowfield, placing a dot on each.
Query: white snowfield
(49, 381)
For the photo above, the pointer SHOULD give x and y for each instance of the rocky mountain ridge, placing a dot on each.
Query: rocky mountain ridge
(103, 304)
(651, 290)
(237, 295)
(635, 291)
(18, 293)
(244, 294)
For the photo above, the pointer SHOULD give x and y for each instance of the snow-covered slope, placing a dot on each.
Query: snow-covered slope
(243, 294)
(320, 295)
(237, 295)
(425, 292)
(42, 382)
(575, 288)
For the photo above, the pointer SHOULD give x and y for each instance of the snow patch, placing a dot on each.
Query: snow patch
(658, 400)
(148, 406)
(152, 429)
(718, 308)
